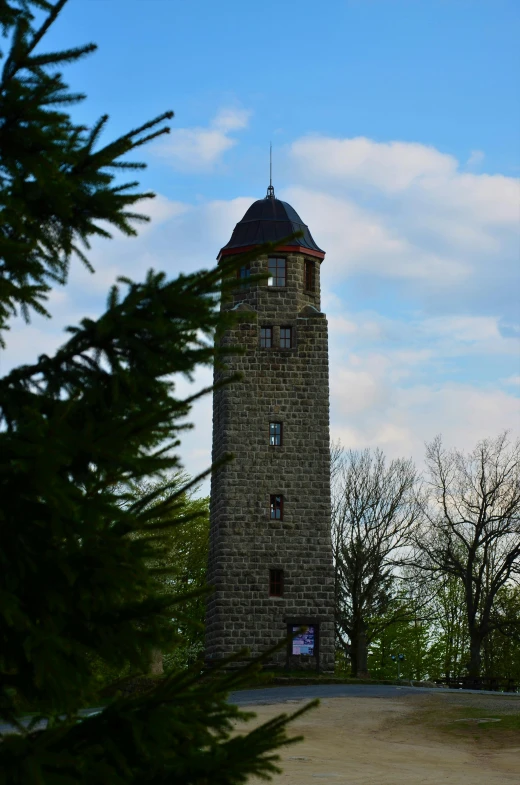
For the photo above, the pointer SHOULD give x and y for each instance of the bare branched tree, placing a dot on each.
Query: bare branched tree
(374, 510)
(471, 528)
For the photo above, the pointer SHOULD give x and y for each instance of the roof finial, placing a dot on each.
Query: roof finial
(270, 190)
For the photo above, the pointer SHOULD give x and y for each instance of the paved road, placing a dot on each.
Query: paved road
(310, 691)
(4, 728)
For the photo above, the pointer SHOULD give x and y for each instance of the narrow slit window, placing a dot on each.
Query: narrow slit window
(285, 337)
(275, 434)
(310, 276)
(243, 274)
(276, 508)
(276, 583)
(277, 271)
(266, 337)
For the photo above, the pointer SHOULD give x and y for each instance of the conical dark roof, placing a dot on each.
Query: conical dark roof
(267, 221)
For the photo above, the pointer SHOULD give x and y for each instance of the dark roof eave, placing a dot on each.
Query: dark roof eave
(226, 251)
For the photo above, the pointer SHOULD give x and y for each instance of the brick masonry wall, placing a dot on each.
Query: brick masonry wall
(289, 386)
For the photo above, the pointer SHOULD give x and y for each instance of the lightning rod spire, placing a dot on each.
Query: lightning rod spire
(270, 190)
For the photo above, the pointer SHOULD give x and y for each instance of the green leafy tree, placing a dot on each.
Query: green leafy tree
(436, 604)
(411, 633)
(179, 562)
(450, 652)
(435, 639)
(180, 565)
(100, 414)
(501, 648)
(409, 637)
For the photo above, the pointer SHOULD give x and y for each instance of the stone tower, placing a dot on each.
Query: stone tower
(270, 560)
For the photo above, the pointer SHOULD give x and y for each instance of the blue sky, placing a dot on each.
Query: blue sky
(396, 135)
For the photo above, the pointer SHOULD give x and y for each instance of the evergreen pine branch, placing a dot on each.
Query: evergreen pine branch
(69, 55)
(81, 576)
(56, 58)
(95, 132)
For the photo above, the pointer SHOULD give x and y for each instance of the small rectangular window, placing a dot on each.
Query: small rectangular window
(310, 281)
(275, 434)
(276, 508)
(276, 583)
(285, 337)
(277, 271)
(243, 274)
(266, 337)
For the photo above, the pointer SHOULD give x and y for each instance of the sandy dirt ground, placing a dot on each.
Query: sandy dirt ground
(381, 741)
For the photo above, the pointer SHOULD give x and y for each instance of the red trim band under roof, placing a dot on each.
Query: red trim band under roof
(284, 249)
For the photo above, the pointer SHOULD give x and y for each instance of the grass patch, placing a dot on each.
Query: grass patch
(287, 678)
(507, 721)
(459, 723)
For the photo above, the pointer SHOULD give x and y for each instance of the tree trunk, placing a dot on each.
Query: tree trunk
(474, 656)
(156, 663)
(353, 660)
(448, 658)
(360, 652)
(362, 658)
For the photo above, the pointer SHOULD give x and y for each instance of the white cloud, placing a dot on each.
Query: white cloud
(389, 166)
(421, 174)
(370, 409)
(359, 240)
(231, 120)
(476, 157)
(418, 340)
(407, 213)
(200, 149)
(469, 334)
(392, 383)
(159, 209)
(492, 199)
